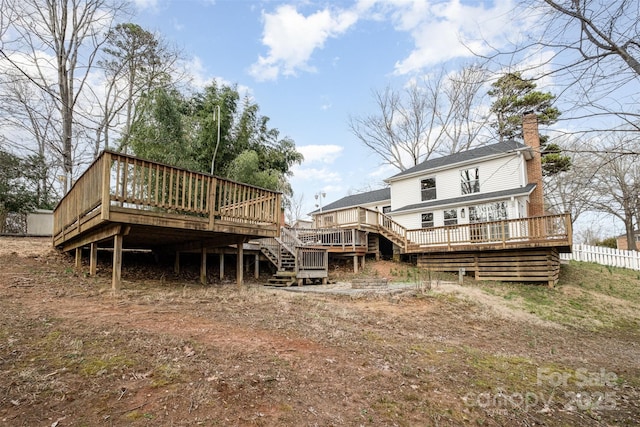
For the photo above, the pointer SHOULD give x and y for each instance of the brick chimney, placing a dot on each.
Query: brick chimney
(534, 166)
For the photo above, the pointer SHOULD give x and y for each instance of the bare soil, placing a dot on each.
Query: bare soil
(166, 351)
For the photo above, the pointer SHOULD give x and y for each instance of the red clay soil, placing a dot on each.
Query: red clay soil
(166, 351)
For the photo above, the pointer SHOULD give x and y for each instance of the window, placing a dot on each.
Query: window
(492, 213)
(470, 181)
(427, 220)
(488, 212)
(451, 217)
(428, 188)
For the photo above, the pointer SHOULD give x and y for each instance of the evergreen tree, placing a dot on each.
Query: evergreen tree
(183, 132)
(16, 186)
(515, 96)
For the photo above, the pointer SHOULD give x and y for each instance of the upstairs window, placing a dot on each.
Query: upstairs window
(451, 217)
(427, 220)
(470, 181)
(428, 188)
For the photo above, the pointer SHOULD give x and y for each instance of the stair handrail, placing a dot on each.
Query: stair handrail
(289, 240)
(386, 223)
(267, 247)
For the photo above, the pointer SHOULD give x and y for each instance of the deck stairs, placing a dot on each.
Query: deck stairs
(392, 231)
(281, 251)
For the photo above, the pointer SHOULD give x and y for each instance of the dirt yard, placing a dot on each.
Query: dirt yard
(167, 351)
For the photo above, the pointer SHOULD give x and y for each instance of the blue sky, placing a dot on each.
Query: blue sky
(309, 65)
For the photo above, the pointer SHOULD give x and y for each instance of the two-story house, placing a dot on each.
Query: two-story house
(461, 207)
(488, 183)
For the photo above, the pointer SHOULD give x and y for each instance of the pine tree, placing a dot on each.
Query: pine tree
(515, 96)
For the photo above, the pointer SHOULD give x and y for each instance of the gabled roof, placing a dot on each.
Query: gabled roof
(358, 200)
(520, 191)
(462, 157)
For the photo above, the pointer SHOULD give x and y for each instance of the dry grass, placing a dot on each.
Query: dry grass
(165, 351)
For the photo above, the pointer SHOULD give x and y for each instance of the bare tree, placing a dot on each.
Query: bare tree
(54, 45)
(595, 59)
(463, 118)
(441, 114)
(616, 185)
(571, 190)
(294, 209)
(134, 61)
(29, 114)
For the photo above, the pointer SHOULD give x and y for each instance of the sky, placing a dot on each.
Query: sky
(311, 65)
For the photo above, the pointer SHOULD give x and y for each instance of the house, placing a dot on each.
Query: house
(480, 210)
(488, 183)
(622, 243)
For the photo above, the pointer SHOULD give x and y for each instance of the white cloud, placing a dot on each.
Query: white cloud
(317, 175)
(383, 172)
(146, 4)
(177, 25)
(292, 38)
(199, 77)
(439, 30)
(320, 153)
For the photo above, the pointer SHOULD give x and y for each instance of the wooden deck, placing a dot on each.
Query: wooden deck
(526, 248)
(141, 204)
(544, 231)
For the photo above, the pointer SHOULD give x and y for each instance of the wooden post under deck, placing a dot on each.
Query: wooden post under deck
(93, 258)
(176, 263)
(203, 266)
(256, 267)
(355, 264)
(221, 265)
(79, 257)
(239, 264)
(116, 277)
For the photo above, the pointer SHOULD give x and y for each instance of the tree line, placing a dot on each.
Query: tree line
(78, 78)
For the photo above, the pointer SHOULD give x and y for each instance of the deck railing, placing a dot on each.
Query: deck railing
(541, 229)
(548, 229)
(83, 200)
(311, 260)
(115, 180)
(332, 237)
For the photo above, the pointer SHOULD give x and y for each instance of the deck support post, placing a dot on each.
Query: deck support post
(221, 265)
(176, 263)
(203, 265)
(256, 267)
(239, 264)
(363, 261)
(93, 258)
(355, 264)
(79, 257)
(116, 277)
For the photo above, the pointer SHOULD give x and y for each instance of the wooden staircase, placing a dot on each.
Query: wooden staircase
(294, 262)
(283, 278)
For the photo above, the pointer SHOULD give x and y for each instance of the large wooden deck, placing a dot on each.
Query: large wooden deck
(527, 248)
(544, 231)
(141, 204)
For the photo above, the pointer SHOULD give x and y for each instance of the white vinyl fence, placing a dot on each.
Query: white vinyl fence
(604, 256)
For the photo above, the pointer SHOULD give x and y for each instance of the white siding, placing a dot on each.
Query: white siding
(410, 221)
(495, 175)
(377, 206)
